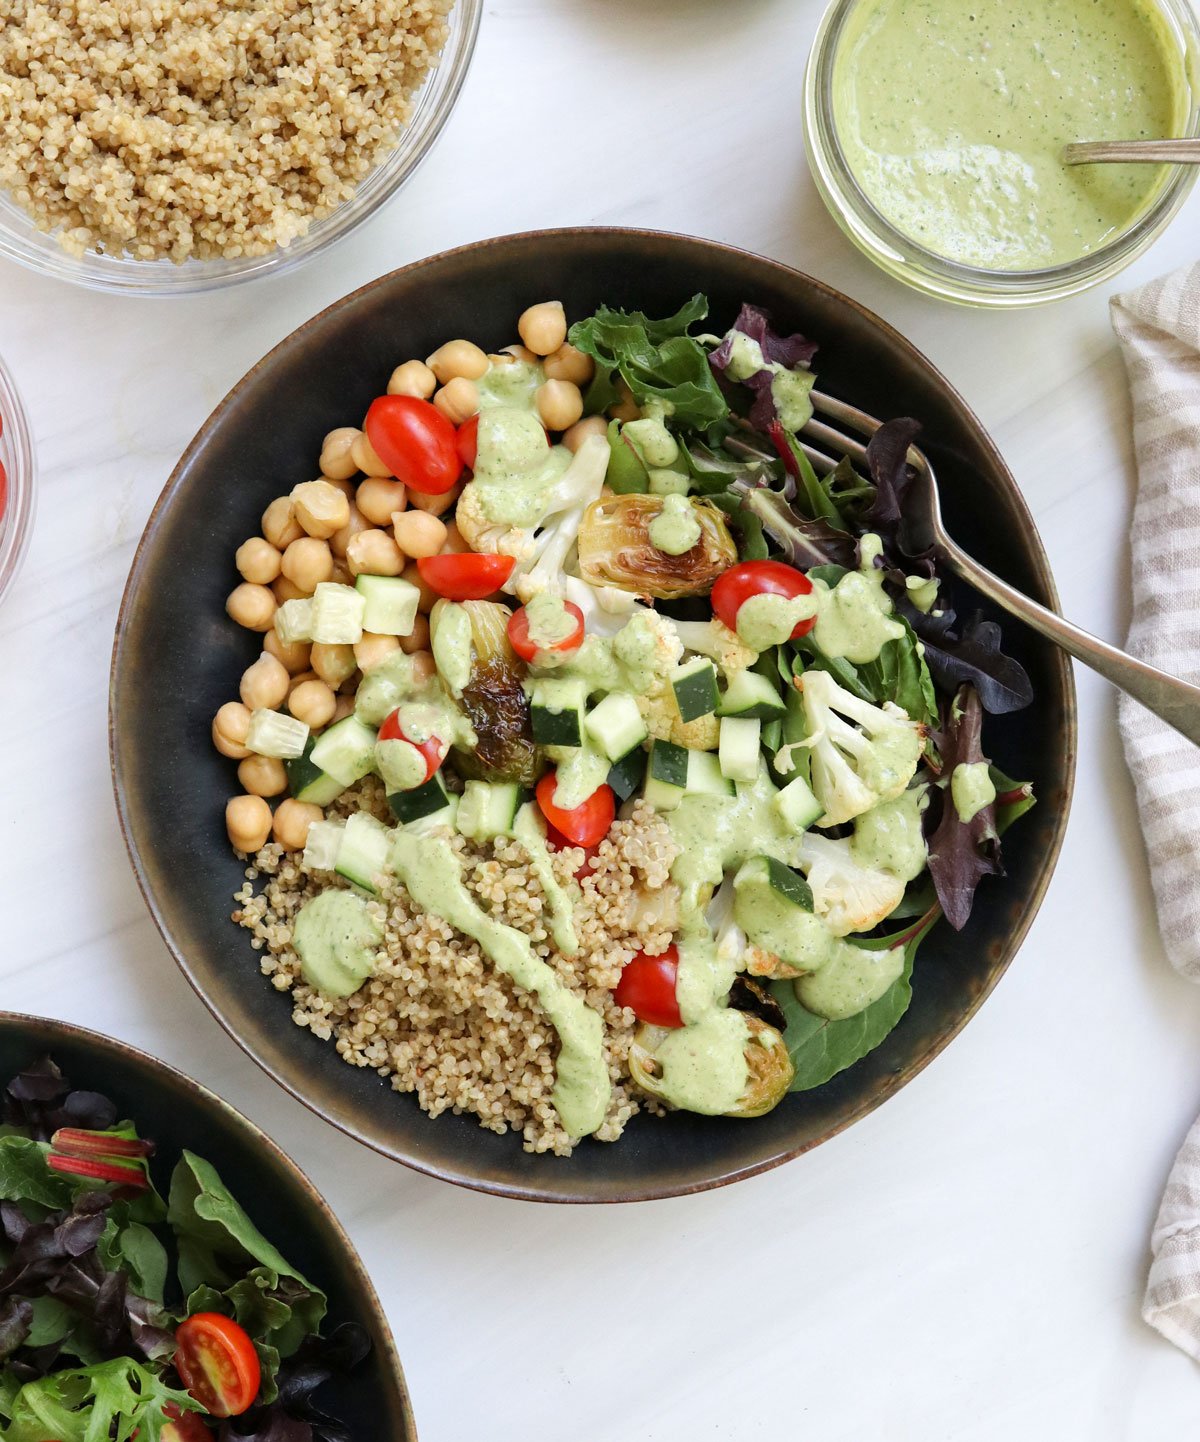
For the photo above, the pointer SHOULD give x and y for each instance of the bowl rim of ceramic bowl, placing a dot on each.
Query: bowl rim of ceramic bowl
(22, 242)
(20, 464)
(906, 260)
(478, 1180)
(112, 1048)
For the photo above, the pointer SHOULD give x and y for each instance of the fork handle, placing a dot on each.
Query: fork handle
(1176, 702)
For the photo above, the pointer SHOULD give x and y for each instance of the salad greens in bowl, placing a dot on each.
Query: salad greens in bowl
(139, 1296)
(601, 757)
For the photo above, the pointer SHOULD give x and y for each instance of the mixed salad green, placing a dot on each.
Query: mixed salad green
(126, 1314)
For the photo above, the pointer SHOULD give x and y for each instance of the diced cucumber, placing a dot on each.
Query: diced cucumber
(389, 604)
(669, 763)
(695, 687)
(362, 856)
(616, 725)
(675, 771)
(740, 747)
(337, 614)
(293, 621)
(487, 809)
(625, 775)
(307, 782)
(762, 875)
(704, 775)
(322, 846)
(750, 694)
(421, 801)
(272, 733)
(447, 816)
(346, 751)
(556, 710)
(797, 806)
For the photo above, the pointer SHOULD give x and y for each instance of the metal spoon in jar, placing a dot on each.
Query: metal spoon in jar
(1156, 152)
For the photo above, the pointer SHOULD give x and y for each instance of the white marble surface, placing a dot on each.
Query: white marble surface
(965, 1263)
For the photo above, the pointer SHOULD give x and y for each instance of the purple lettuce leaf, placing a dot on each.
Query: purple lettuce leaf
(40, 1099)
(962, 853)
(793, 352)
(293, 1416)
(971, 657)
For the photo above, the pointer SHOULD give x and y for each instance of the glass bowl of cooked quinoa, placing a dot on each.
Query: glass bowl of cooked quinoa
(17, 482)
(165, 148)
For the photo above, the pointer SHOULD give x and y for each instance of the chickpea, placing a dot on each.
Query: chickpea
(345, 707)
(579, 432)
(372, 649)
(312, 702)
(229, 729)
(412, 575)
(299, 680)
(363, 453)
(257, 561)
(413, 378)
(374, 553)
(453, 545)
(286, 590)
(292, 820)
(458, 400)
(513, 353)
(336, 461)
(293, 655)
(341, 539)
(377, 499)
(251, 606)
(434, 505)
(320, 508)
(279, 523)
(418, 638)
(333, 664)
(418, 534)
(264, 684)
(262, 776)
(560, 404)
(543, 328)
(457, 359)
(569, 364)
(307, 562)
(423, 666)
(248, 822)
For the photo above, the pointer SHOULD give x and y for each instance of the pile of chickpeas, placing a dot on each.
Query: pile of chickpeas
(357, 519)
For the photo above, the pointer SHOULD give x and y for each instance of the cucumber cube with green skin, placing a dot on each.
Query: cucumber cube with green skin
(752, 695)
(695, 687)
(389, 604)
(556, 707)
(740, 747)
(271, 733)
(293, 622)
(421, 801)
(669, 763)
(616, 725)
(307, 782)
(346, 751)
(704, 775)
(626, 775)
(487, 810)
(337, 614)
(363, 852)
(798, 808)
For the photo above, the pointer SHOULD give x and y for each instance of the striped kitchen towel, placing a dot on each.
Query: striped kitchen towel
(1159, 330)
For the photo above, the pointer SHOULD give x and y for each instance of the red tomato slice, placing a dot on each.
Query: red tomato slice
(466, 576)
(415, 442)
(556, 841)
(433, 751)
(217, 1363)
(183, 1426)
(466, 442)
(759, 578)
(518, 634)
(647, 988)
(585, 825)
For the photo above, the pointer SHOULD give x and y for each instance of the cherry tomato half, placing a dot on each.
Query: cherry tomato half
(217, 1363)
(183, 1426)
(432, 751)
(647, 988)
(556, 841)
(415, 442)
(466, 442)
(466, 576)
(585, 825)
(759, 578)
(518, 634)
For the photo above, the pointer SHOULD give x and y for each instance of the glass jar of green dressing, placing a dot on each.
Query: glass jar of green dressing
(935, 127)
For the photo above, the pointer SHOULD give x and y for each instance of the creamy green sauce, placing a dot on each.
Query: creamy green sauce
(515, 470)
(704, 976)
(529, 831)
(952, 117)
(853, 978)
(798, 937)
(768, 620)
(675, 530)
(854, 618)
(511, 384)
(451, 645)
(922, 591)
(668, 483)
(549, 620)
(654, 443)
(889, 836)
(789, 388)
(704, 1067)
(425, 708)
(430, 871)
(580, 771)
(971, 789)
(400, 765)
(335, 937)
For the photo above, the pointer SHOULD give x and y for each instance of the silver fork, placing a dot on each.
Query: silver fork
(1176, 702)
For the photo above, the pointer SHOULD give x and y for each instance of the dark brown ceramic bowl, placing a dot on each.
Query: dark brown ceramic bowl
(177, 659)
(178, 1112)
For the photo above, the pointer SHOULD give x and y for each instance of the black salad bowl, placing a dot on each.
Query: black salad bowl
(177, 1112)
(177, 659)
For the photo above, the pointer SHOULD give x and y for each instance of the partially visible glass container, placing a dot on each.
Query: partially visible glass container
(20, 480)
(923, 269)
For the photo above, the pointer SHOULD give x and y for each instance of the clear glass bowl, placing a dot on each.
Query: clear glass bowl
(910, 262)
(16, 455)
(20, 239)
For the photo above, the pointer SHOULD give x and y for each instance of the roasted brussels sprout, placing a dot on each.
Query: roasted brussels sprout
(495, 704)
(770, 1069)
(615, 548)
(750, 995)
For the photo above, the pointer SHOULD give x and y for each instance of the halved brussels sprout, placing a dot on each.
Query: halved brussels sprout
(615, 548)
(770, 1067)
(494, 702)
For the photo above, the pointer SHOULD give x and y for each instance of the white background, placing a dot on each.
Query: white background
(965, 1263)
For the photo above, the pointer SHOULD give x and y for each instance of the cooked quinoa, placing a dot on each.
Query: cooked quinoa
(202, 128)
(438, 1019)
